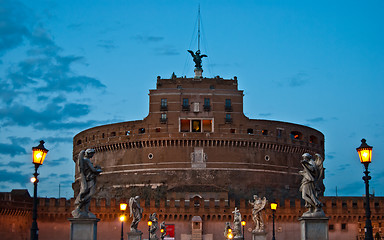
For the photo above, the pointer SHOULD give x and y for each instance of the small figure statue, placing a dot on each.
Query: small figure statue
(135, 212)
(163, 230)
(226, 230)
(312, 184)
(153, 227)
(197, 58)
(236, 224)
(88, 175)
(258, 205)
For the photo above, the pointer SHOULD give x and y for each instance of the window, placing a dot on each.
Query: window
(296, 135)
(158, 129)
(164, 104)
(185, 105)
(163, 118)
(196, 126)
(184, 125)
(264, 132)
(128, 133)
(113, 134)
(313, 139)
(207, 125)
(343, 226)
(331, 227)
(207, 104)
(78, 142)
(211, 87)
(233, 130)
(279, 133)
(228, 118)
(141, 130)
(250, 131)
(228, 105)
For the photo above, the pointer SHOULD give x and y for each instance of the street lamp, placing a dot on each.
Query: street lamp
(243, 224)
(229, 234)
(149, 229)
(123, 207)
(273, 207)
(38, 156)
(365, 155)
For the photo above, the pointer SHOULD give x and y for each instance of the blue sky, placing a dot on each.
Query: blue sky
(66, 66)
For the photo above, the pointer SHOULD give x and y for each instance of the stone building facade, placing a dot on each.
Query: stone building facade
(197, 136)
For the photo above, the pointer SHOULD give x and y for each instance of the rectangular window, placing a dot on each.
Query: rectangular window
(164, 102)
(228, 118)
(207, 102)
(185, 125)
(163, 118)
(279, 133)
(207, 125)
(228, 105)
(185, 102)
(250, 131)
(196, 126)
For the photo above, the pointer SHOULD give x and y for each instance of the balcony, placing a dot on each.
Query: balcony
(228, 120)
(207, 108)
(164, 108)
(185, 107)
(228, 108)
(163, 120)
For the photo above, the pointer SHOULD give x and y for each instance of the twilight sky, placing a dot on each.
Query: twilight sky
(69, 65)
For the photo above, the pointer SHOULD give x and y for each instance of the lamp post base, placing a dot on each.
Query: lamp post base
(83, 228)
(313, 228)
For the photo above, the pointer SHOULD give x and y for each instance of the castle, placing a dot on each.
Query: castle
(193, 159)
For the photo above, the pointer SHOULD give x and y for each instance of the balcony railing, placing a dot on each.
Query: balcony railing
(164, 108)
(228, 120)
(163, 120)
(185, 107)
(207, 108)
(228, 108)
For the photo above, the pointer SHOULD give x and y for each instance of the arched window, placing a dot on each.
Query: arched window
(296, 135)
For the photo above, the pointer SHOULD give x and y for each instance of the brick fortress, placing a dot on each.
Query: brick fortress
(193, 159)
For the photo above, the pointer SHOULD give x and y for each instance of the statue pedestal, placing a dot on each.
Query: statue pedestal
(259, 235)
(314, 228)
(135, 235)
(83, 228)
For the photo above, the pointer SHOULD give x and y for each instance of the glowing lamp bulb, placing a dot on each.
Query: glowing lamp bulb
(122, 218)
(33, 179)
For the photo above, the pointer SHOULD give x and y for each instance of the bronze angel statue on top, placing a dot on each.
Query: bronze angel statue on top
(312, 186)
(197, 58)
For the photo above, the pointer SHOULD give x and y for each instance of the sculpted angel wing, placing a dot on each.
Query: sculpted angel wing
(131, 202)
(319, 164)
(203, 56)
(80, 161)
(192, 53)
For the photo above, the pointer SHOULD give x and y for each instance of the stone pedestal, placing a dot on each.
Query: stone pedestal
(314, 228)
(259, 235)
(198, 73)
(135, 235)
(83, 228)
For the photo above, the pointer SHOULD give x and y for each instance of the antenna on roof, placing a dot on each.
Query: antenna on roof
(196, 56)
(198, 30)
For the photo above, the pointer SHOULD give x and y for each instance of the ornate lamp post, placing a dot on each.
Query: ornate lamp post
(38, 156)
(273, 207)
(229, 234)
(365, 155)
(149, 229)
(243, 224)
(123, 207)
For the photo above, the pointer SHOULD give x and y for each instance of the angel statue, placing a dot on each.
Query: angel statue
(226, 229)
(197, 58)
(236, 224)
(258, 205)
(88, 174)
(312, 184)
(153, 227)
(135, 212)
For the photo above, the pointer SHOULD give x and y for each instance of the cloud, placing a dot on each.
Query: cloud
(11, 149)
(66, 175)
(350, 189)
(106, 44)
(342, 167)
(330, 155)
(166, 51)
(316, 120)
(14, 177)
(147, 39)
(13, 29)
(53, 140)
(298, 80)
(56, 162)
